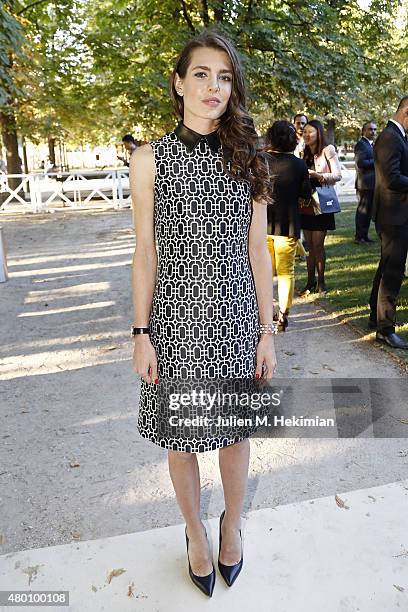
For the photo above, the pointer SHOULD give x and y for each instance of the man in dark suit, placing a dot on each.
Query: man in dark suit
(390, 213)
(365, 180)
(299, 122)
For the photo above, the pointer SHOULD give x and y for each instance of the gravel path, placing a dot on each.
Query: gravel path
(72, 464)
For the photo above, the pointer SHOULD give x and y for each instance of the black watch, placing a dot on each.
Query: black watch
(139, 330)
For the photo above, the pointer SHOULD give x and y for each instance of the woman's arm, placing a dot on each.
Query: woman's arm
(144, 268)
(333, 161)
(262, 270)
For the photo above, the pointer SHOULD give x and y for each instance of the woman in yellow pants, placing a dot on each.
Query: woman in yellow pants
(290, 181)
(283, 251)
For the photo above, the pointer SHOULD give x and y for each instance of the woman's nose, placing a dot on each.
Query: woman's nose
(214, 86)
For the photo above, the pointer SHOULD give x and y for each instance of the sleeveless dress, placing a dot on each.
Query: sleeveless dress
(204, 319)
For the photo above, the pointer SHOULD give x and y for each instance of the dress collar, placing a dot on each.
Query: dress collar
(191, 139)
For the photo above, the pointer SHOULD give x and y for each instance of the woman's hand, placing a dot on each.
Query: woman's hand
(317, 176)
(265, 356)
(144, 359)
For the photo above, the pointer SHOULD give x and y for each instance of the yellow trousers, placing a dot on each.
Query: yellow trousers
(283, 250)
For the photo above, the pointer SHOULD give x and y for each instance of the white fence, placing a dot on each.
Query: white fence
(39, 192)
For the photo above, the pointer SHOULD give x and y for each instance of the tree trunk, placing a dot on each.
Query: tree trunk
(25, 160)
(330, 131)
(51, 149)
(9, 135)
(204, 13)
(219, 11)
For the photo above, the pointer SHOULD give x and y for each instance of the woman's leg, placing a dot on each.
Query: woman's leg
(233, 462)
(285, 249)
(271, 249)
(320, 256)
(185, 475)
(311, 259)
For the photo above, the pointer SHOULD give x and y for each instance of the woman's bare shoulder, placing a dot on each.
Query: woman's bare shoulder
(143, 153)
(142, 160)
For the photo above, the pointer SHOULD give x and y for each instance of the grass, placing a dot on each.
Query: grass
(350, 269)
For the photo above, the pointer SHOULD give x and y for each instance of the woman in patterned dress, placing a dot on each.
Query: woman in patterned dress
(203, 299)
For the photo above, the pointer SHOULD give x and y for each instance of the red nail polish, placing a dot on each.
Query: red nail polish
(257, 375)
(156, 381)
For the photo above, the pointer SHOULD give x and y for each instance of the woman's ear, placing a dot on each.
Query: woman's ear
(178, 84)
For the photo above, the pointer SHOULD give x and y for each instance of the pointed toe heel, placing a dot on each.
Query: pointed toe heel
(282, 321)
(229, 572)
(204, 583)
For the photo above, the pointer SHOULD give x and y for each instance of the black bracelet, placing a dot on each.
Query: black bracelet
(139, 330)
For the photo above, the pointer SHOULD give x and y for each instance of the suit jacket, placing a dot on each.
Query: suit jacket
(290, 181)
(390, 204)
(364, 161)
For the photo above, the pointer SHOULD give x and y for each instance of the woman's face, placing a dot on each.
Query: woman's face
(310, 135)
(207, 85)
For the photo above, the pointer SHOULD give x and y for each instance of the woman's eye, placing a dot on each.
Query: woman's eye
(200, 74)
(226, 77)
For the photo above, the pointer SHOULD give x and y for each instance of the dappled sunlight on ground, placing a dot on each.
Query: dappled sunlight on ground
(56, 361)
(63, 292)
(72, 458)
(68, 280)
(39, 313)
(50, 343)
(77, 268)
(17, 263)
(350, 270)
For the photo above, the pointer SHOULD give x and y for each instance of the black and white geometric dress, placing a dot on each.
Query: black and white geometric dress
(204, 319)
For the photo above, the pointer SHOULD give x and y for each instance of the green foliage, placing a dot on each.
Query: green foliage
(326, 58)
(11, 41)
(91, 71)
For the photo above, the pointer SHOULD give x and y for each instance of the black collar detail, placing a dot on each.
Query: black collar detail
(191, 139)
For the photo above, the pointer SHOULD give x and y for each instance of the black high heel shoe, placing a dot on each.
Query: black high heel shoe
(229, 572)
(282, 321)
(204, 583)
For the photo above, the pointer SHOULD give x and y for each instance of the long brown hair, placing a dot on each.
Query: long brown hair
(236, 130)
(320, 143)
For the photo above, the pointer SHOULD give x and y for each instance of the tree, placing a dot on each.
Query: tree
(320, 57)
(45, 93)
(11, 42)
(91, 71)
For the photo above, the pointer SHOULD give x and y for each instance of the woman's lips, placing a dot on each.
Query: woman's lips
(212, 103)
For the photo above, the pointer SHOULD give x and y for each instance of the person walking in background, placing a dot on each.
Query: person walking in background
(130, 145)
(299, 122)
(324, 169)
(390, 213)
(365, 180)
(290, 181)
